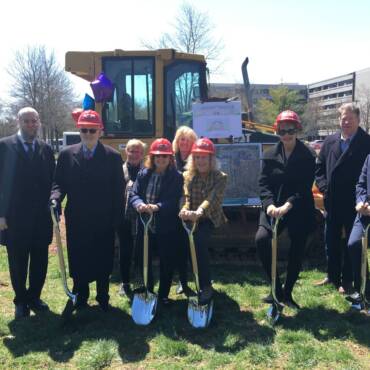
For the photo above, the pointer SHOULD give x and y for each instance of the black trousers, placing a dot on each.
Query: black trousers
(202, 238)
(83, 291)
(165, 245)
(338, 259)
(30, 259)
(182, 256)
(296, 253)
(126, 247)
(355, 252)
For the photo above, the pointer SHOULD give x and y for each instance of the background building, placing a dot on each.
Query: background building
(328, 95)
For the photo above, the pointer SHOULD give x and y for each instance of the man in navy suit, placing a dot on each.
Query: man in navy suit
(361, 222)
(26, 172)
(338, 168)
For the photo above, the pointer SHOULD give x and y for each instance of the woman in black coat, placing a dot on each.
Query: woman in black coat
(157, 190)
(285, 190)
(90, 175)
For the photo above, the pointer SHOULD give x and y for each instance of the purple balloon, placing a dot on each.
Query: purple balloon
(102, 88)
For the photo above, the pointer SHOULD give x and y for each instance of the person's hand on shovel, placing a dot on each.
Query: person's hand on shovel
(276, 212)
(363, 208)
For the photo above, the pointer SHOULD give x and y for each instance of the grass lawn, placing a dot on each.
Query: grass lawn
(324, 334)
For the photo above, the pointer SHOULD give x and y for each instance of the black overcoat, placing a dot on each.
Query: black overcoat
(337, 173)
(94, 208)
(291, 181)
(24, 192)
(167, 219)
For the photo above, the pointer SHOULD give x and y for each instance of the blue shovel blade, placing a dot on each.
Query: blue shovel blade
(199, 316)
(143, 308)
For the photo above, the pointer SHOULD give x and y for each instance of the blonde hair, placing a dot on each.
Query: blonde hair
(191, 168)
(135, 142)
(183, 131)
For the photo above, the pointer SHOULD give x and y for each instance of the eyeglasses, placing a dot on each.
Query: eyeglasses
(162, 156)
(90, 130)
(290, 131)
(33, 120)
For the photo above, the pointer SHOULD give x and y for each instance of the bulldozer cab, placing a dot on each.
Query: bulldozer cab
(153, 90)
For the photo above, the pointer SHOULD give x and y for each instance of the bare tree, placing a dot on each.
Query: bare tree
(364, 105)
(310, 119)
(8, 124)
(39, 82)
(192, 33)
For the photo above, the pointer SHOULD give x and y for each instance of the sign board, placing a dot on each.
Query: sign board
(242, 164)
(217, 120)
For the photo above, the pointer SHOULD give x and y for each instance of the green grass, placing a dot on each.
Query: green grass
(324, 334)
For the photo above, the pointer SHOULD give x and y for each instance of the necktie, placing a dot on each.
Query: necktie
(88, 154)
(29, 150)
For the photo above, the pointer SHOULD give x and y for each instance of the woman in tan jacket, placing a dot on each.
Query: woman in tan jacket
(204, 188)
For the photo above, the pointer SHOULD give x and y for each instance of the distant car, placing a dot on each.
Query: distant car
(316, 144)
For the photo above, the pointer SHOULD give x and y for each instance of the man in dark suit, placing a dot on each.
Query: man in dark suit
(90, 175)
(26, 172)
(338, 168)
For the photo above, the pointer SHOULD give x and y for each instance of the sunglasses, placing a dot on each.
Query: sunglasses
(161, 156)
(90, 130)
(33, 120)
(290, 131)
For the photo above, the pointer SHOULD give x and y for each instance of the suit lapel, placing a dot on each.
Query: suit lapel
(348, 153)
(78, 154)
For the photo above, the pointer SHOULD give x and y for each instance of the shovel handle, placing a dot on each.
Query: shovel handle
(62, 266)
(275, 226)
(146, 223)
(365, 241)
(190, 231)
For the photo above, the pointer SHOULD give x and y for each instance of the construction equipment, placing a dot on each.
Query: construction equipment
(199, 316)
(153, 95)
(144, 304)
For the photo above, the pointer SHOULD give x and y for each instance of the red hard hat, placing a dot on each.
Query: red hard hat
(161, 146)
(89, 118)
(203, 146)
(76, 114)
(287, 116)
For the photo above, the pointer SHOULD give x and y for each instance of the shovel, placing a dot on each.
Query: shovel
(62, 267)
(199, 316)
(144, 303)
(276, 307)
(361, 304)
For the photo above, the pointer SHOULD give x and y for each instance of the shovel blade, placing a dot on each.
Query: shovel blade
(199, 316)
(273, 313)
(143, 308)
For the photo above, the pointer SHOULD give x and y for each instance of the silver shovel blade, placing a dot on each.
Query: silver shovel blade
(143, 308)
(199, 316)
(273, 313)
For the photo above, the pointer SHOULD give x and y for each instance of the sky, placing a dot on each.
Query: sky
(286, 41)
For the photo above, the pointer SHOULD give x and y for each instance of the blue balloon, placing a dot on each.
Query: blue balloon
(88, 103)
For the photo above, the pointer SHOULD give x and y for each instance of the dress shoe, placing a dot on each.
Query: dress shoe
(354, 298)
(205, 296)
(166, 301)
(289, 301)
(21, 310)
(125, 290)
(268, 299)
(188, 292)
(104, 306)
(38, 305)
